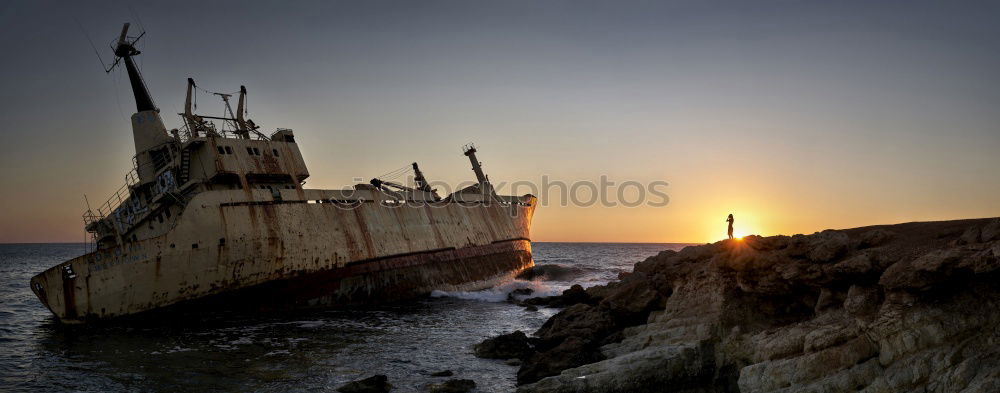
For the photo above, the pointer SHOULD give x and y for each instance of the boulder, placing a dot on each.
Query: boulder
(634, 299)
(374, 384)
(857, 265)
(504, 346)
(923, 273)
(452, 386)
(519, 293)
(522, 292)
(862, 299)
(828, 299)
(650, 264)
(970, 236)
(571, 352)
(579, 320)
(828, 245)
(991, 231)
(551, 272)
(875, 237)
(574, 295)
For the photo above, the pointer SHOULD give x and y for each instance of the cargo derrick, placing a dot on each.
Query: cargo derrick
(169, 168)
(217, 217)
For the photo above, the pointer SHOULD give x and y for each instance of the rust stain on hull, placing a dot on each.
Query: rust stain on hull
(69, 298)
(309, 255)
(397, 278)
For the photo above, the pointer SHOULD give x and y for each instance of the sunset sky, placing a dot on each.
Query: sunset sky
(795, 116)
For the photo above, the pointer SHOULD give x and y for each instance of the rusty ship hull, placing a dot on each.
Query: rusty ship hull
(266, 254)
(217, 214)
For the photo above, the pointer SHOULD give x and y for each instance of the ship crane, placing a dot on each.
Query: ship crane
(394, 188)
(245, 126)
(242, 127)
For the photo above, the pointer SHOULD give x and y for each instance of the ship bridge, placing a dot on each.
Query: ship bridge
(227, 152)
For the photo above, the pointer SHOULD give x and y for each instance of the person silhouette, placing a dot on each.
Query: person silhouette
(730, 221)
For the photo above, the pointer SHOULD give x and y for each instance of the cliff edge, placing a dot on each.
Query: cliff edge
(894, 308)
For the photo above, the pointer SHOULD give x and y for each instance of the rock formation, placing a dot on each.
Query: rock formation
(900, 308)
(506, 346)
(373, 384)
(452, 386)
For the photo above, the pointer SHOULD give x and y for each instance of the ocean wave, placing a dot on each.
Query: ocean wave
(555, 272)
(547, 260)
(501, 292)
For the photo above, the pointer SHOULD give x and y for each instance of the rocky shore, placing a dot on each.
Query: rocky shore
(895, 308)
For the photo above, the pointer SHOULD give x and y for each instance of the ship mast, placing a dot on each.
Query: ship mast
(148, 132)
(125, 50)
(477, 167)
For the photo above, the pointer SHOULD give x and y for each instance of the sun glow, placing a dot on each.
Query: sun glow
(746, 224)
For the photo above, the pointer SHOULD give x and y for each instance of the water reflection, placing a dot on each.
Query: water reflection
(303, 351)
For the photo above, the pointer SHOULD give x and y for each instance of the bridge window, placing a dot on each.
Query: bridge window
(249, 150)
(229, 150)
(221, 149)
(275, 152)
(256, 152)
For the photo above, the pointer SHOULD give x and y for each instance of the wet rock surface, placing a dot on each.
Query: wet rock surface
(552, 272)
(452, 386)
(374, 384)
(898, 308)
(514, 345)
(574, 295)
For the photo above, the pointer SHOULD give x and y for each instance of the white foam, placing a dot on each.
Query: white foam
(178, 348)
(310, 324)
(241, 341)
(499, 293)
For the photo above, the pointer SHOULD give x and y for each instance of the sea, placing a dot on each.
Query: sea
(296, 352)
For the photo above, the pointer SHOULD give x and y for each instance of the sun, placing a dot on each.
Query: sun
(745, 225)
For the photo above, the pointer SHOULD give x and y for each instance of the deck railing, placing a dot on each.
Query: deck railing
(115, 200)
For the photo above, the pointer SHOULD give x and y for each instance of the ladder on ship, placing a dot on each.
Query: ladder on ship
(185, 168)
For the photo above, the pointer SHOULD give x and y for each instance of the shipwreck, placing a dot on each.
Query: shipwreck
(217, 217)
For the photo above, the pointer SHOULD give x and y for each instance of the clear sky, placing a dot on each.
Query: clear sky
(796, 116)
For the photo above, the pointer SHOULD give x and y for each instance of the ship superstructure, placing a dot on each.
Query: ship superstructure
(218, 217)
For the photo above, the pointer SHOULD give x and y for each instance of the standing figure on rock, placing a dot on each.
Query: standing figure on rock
(730, 221)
